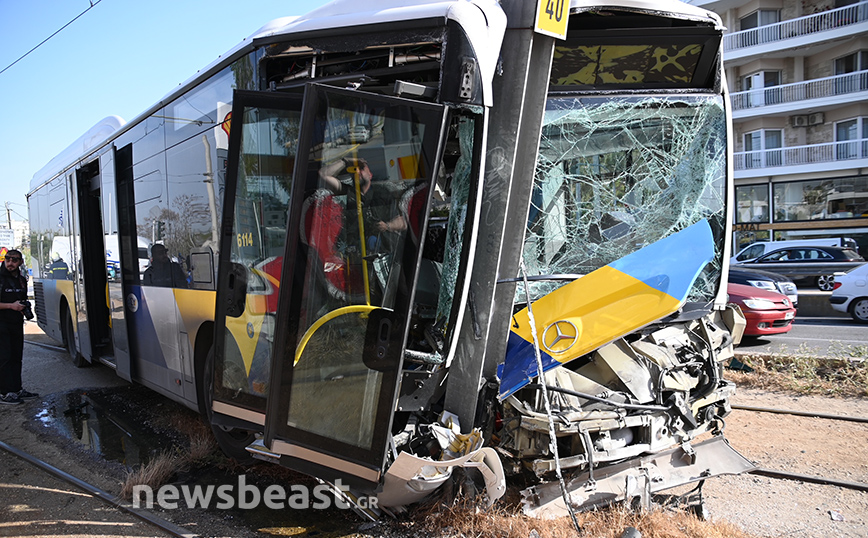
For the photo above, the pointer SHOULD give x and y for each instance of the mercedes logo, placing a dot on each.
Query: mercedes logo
(560, 336)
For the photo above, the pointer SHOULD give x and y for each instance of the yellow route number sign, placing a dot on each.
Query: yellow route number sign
(551, 17)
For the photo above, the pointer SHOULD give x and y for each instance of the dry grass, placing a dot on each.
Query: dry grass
(200, 448)
(155, 473)
(843, 372)
(203, 446)
(467, 522)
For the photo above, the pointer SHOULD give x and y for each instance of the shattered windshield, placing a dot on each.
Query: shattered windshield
(618, 173)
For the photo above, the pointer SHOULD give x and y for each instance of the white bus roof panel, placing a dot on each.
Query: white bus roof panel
(482, 20)
(673, 8)
(89, 140)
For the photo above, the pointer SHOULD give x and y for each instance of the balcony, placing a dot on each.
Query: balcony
(801, 159)
(789, 98)
(836, 23)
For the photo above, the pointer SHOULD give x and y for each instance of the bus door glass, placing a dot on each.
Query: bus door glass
(263, 140)
(360, 195)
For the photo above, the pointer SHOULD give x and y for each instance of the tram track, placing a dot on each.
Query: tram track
(810, 414)
(801, 477)
(46, 346)
(112, 500)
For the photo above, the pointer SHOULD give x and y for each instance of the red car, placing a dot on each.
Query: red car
(767, 312)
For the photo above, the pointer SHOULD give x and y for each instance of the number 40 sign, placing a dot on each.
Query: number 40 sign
(551, 17)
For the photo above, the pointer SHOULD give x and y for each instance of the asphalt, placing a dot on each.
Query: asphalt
(816, 303)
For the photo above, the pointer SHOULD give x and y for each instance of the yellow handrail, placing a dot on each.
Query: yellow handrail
(365, 308)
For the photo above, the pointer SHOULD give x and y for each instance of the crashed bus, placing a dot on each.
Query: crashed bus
(423, 237)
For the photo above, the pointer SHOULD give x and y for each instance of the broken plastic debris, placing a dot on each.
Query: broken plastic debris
(410, 478)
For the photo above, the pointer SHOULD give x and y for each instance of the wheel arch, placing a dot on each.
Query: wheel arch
(63, 311)
(851, 308)
(204, 343)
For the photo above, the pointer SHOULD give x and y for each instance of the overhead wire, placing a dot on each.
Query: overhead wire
(92, 4)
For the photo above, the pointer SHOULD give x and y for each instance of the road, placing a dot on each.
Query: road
(825, 336)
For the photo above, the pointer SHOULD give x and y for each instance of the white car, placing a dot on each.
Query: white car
(850, 294)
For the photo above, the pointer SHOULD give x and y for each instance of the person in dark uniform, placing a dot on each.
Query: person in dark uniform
(13, 297)
(163, 271)
(58, 270)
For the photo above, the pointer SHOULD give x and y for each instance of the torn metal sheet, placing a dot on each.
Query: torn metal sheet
(638, 478)
(610, 302)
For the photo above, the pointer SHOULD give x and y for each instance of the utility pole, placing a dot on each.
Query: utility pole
(8, 216)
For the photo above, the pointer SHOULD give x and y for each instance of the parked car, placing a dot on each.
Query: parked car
(766, 312)
(765, 280)
(816, 264)
(758, 248)
(851, 293)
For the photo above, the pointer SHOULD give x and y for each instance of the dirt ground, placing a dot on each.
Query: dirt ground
(762, 506)
(831, 449)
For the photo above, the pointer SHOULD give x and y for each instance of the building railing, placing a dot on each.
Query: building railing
(801, 91)
(801, 155)
(802, 26)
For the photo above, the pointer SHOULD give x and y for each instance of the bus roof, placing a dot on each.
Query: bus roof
(91, 139)
(670, 8)
(482, 20)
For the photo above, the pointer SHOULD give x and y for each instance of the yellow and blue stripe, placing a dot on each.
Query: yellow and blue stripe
(606, 304)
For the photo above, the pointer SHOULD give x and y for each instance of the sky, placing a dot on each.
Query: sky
(119, 58)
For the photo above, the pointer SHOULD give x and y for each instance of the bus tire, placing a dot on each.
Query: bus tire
(77, 358)
(232, 441)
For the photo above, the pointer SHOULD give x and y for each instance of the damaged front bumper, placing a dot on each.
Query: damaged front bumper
(635, 480)
(626, 417)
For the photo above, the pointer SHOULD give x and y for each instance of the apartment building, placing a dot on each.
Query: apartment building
(797, 72)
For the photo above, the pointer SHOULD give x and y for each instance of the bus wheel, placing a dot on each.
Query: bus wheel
(77, 358)
(232, 441)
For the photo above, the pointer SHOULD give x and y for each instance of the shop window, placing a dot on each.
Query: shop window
(821, 199)
(752, 203)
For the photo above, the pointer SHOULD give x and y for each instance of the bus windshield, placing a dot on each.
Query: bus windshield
(616, 174)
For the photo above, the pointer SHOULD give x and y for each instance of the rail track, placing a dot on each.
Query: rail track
(143, 515)
(799, 477)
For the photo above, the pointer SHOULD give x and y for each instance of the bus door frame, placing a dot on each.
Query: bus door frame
(90, 276)
(249, 413)
(301, 450)
(117, 291)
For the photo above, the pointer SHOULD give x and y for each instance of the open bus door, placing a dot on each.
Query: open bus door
(92, 314)
(349, 268)
(353, 267)
(262, 141)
